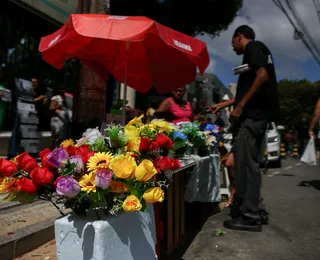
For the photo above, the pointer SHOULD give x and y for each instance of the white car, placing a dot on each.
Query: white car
(274, 144)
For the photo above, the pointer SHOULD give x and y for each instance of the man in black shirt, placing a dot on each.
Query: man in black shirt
(256, 104)
(302, 130)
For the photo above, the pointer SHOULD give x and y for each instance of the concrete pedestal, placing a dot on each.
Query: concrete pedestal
(128, 236)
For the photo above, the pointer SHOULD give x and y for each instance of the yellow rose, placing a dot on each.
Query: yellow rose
(132, 131)
(134, 144)
(137, 121)
(131, 204)
(123, 166)
(153, 195)
(145, 171)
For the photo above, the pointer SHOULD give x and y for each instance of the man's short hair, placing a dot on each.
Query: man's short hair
(246, 31)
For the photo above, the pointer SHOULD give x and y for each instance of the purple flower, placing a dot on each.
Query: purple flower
(77, 160)
(58, 157)
(67, 186)
(103, 178)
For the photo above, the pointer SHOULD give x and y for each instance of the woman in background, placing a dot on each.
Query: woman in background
(60, 117)
(176, 110)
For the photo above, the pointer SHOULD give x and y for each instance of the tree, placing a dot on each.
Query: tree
(297, 98)
(191, 17)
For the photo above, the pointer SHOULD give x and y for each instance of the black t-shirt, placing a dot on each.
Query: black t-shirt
(303, 130)
(219, 122)
(40, 91)
(265, 103)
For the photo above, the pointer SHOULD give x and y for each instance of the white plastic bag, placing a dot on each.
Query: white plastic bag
(309, 154)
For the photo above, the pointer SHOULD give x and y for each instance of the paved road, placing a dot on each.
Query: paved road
(292, 195)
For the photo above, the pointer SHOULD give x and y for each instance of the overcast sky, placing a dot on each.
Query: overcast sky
(291, 57)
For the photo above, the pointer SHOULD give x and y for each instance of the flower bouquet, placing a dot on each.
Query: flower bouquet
(110, 172)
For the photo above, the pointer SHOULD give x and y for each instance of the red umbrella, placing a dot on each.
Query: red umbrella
(136, 50)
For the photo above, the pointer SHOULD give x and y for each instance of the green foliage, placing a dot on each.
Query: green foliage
(297, 98)
(99, 146)
(191, 17)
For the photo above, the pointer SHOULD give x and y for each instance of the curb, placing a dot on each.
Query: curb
(26, 240)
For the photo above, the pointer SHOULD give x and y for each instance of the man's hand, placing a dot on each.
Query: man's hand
(236, 113)
(215, 108)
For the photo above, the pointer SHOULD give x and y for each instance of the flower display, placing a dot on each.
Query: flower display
(111, 171)
(67, 186)
(103, 178)
(123, 166)
(131, 204)
(153, 195)
(58, 157)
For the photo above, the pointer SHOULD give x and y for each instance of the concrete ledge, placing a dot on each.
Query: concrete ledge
(26, 240)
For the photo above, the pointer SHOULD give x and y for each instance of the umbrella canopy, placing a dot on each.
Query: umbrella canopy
(136, 50)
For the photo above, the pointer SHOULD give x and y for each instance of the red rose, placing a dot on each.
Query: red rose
(7, 168)
(145, 144)
(27, 186)
(164, 141)
(71, 150)
(86, 157)
(164, 163)
(42, 176)
(82, 150)
(27, 162)
(154, 146)
(44, 158)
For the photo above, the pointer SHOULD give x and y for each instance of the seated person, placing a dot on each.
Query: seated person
(176, 110)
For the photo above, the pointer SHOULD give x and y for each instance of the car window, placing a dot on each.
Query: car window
(270, 126)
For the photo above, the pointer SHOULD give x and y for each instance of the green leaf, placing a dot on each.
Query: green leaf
(144, 205)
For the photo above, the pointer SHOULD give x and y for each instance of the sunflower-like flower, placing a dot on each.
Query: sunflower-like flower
(123, 166)
(137, 121)
(88, 182)
(67, 143)
(99, 161)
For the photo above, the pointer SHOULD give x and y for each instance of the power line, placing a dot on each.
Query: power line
(317, 6)
(298, 34)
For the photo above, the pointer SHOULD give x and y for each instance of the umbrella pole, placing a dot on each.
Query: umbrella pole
(124, 105)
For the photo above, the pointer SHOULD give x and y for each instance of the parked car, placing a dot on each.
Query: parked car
(274, 144)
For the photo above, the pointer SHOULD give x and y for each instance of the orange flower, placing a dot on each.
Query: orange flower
(8, 185)
(118, 187)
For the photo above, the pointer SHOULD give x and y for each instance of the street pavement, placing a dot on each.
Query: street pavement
(292, 195)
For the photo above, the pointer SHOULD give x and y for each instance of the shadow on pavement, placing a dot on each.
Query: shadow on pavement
(314, 183)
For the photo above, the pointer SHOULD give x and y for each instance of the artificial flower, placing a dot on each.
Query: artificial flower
(44, 158)
(164, 141)
(131, 204)
(118, 187)
(99, 161)
(145, 171)
(180, 135)
(137, 121)
(58, 157)
(81, 141)
(42, 176)
(163, 163)
(88, 182)
(27, 185)
(132, 131)
(161, 126)
(92, 135)
(123, 166)
(77, 160)
(67, 143)
(67, 186)
(133, 144)
(145, 144)
(27, 162)
(103, 178)
(7, 168)
(153, 195)
(8, 185)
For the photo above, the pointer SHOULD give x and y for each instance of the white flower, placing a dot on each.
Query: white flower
(92, 135)
(82, 141)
